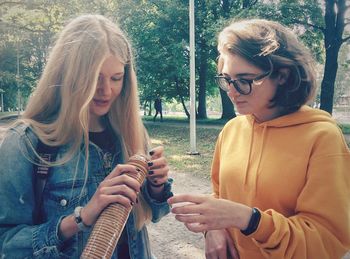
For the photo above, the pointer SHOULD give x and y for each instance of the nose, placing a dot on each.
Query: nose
(232, 92)
(103, 87)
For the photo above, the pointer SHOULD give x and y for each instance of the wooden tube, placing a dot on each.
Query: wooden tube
(111, 222)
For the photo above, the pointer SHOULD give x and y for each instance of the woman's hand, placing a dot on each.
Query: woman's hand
(157, 172)
(204, 212)
(117, 187)
(219, 244)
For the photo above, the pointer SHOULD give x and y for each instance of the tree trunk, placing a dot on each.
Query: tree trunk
(144, 108)
(228, 111)
(150, 108)
(329, 76)
(333, 33)
(181, 98)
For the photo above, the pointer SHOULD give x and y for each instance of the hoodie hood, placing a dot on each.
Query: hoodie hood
(304, 115)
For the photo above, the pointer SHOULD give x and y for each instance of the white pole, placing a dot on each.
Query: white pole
(192, 83)
(17, 80)
(2, 101)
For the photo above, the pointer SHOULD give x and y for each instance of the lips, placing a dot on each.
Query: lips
(239, 102)
(101, 102)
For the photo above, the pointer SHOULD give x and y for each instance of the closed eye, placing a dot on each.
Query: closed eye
(115, 79)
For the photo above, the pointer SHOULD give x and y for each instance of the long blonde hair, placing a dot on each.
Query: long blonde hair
(58, 110)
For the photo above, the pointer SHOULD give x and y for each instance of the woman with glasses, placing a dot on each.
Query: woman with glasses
(281, 171)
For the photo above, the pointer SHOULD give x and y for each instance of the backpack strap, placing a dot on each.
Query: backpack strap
(41, 172)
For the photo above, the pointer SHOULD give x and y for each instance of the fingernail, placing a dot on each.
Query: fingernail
(150, 172)
(150, 163)
(151, 153)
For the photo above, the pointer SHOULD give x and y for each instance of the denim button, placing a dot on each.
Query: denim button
(63, 202)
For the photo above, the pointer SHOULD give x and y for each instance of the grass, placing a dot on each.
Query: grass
(176, 141)
(345, 128)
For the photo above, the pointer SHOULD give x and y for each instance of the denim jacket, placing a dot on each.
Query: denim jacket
(19, 237)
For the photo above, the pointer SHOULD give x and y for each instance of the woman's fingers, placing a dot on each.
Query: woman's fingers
(119, 186)
(121, 199)
(156, 152)
(232, 249)
(157, 163)
(158, 175)
(122, 180)
(195, 227)
(190, 218)
(121, 189)
(187, 208)
(216, 244)
(121, 169)
(193, 198)
(157, 167)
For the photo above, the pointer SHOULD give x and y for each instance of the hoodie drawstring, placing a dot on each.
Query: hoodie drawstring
(249, 155)
(259, 160)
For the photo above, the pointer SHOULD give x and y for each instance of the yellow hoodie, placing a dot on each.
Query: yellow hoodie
(296, 170)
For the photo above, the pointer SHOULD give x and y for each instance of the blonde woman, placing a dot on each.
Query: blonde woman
(86, 107)
(281, 170)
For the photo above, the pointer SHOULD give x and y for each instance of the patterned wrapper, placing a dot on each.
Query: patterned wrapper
(110, 224)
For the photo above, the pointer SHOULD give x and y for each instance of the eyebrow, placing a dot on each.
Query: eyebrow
(242, 75)
(119, 74)
(115, 74)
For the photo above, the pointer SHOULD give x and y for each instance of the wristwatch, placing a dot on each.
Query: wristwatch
(253, 222)
(79, 221)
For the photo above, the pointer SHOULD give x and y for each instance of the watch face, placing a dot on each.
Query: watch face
(77, 217)
(79, 221)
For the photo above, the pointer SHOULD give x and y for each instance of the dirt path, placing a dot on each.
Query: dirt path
(170, 238)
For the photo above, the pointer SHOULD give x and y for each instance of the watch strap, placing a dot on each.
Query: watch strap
(253, 222)
(78, 219)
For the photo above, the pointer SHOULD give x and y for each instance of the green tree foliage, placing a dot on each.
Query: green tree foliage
(161, 51)
(26, 29)
(159, 31)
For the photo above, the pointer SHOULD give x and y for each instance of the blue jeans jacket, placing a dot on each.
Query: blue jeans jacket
(19, 237)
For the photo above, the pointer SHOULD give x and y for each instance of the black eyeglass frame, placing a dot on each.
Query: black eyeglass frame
(230, 81)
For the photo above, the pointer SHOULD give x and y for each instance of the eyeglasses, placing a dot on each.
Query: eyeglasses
(243, 86)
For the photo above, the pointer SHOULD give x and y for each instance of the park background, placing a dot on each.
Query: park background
(159, 32)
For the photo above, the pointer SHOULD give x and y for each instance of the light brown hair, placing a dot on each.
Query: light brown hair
(266, 43)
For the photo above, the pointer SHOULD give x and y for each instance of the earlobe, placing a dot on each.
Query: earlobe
(283, 75)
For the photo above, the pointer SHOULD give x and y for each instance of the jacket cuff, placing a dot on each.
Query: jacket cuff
(46, 242)
(159, 208)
